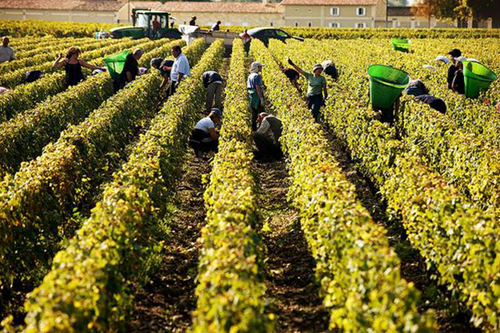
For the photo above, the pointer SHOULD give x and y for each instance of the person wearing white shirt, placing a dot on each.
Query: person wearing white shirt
(205, 137)
(6, 52)
(180, 68)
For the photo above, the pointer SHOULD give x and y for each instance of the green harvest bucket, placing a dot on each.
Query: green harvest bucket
(400, 45)
(115, 64)
(477, 77)
(386, 85)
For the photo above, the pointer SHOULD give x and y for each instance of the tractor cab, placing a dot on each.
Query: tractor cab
(151, 24)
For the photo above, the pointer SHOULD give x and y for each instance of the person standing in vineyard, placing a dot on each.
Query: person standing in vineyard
(73, 66)
(316, 92)
(180, 69)
(164, 66)
(213, 83)
(454, 54)
(255, 92)
(193, 21)
(6, 52)
(293, 76)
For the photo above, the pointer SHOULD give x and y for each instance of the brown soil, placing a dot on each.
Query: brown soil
(289, 265)
(165, 302)
(451, 317)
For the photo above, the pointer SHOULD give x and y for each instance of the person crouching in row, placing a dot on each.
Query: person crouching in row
(205, 137)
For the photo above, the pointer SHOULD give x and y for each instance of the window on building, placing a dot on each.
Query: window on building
(296, 24)
(334, 25)
(309, 24)
(360, 25)
(335, 11)
(361, 11)
(271, 24)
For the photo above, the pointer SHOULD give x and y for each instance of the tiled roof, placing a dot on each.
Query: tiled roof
(330, 2)
(85, 5)
(220, 7)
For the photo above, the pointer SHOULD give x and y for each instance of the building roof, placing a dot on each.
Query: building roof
(330, 2)
(85, 5)
(217, 7)
(399, 11)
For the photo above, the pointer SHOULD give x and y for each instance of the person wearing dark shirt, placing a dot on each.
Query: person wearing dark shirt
(193, 21)
(458, 83)
(455, 53)
(434, 102)
(131, 68)
(73, 66)
(293, 76)
(164, 66)
(213, 82)
(216, 26)
(330, 69)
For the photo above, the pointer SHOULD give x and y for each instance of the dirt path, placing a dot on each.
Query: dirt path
(165, 303)
(289, 266)
(413, 267)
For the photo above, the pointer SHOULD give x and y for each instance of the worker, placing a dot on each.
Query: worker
(6, 52)
(193, 21)
(267, 137)
(436, 103)
(316, 92)
(164, 66)
(453, 54)
(205, 137)
(293, 76)
(330, 69)
(156, 24)
(32, 76)
(213, 83)
(458, 83)
(73, 66)
(216, 26)
(416, 88)
(130, 68)
(255, 92)
(180, 68)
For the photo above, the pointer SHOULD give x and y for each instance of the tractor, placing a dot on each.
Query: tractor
(151, 24)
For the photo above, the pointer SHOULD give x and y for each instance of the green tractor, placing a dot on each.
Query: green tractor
(151, 24)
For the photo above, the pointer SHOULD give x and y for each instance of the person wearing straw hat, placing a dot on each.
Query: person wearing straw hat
(316, 91)
(255, 92)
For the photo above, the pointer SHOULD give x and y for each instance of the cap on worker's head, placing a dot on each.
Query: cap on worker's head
(455, 53)
(316, 67)
(216, 112)
(156, 62)
(442, 58)
(255, 66)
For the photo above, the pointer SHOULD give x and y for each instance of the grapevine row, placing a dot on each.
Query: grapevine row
(23, 137)
(49, 54)
(453, 236)
(38, 202)
(231, 290)
(113, 245)
(358, 271)
(17, 77)
(26, 96)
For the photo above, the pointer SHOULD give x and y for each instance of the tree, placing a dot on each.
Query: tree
(479, 9)
(441, 9)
